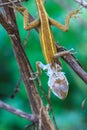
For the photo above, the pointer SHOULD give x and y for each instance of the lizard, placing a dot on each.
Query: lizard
(57, 81)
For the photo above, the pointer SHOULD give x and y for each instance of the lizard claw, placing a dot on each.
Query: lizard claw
(35, 76)
(76, 12)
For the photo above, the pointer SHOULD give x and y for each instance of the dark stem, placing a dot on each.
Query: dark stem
(8, 3)
(73, 63)
(18, 112)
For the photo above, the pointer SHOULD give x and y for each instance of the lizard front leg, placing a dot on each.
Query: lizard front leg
(67, 21)
(27, 25)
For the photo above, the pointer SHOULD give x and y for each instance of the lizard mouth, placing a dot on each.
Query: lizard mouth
(60, 91)
(59, 85)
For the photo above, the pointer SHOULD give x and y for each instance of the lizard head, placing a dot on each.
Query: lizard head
(58, 82)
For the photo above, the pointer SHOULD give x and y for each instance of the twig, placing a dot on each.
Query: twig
(17, 88)
(82, 3)
(8, 3)
(26, 39)
(74, 64)
(18, 112)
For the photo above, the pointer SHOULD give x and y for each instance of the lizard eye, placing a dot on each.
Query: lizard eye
(59, 86)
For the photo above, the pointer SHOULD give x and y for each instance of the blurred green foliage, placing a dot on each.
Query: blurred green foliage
(68, 113)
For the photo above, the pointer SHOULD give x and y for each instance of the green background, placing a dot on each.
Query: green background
(68, 113)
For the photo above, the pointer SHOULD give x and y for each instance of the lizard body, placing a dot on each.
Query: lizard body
(57, 80)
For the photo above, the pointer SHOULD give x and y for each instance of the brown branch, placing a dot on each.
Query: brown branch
(82, 3)
(74, 64)
(5, 24)
(18, 112)
(8, 3)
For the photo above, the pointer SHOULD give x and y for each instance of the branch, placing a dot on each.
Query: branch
(8, 3)
(18, 112)
(82, 3)
(5, 24)
(74, 64)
